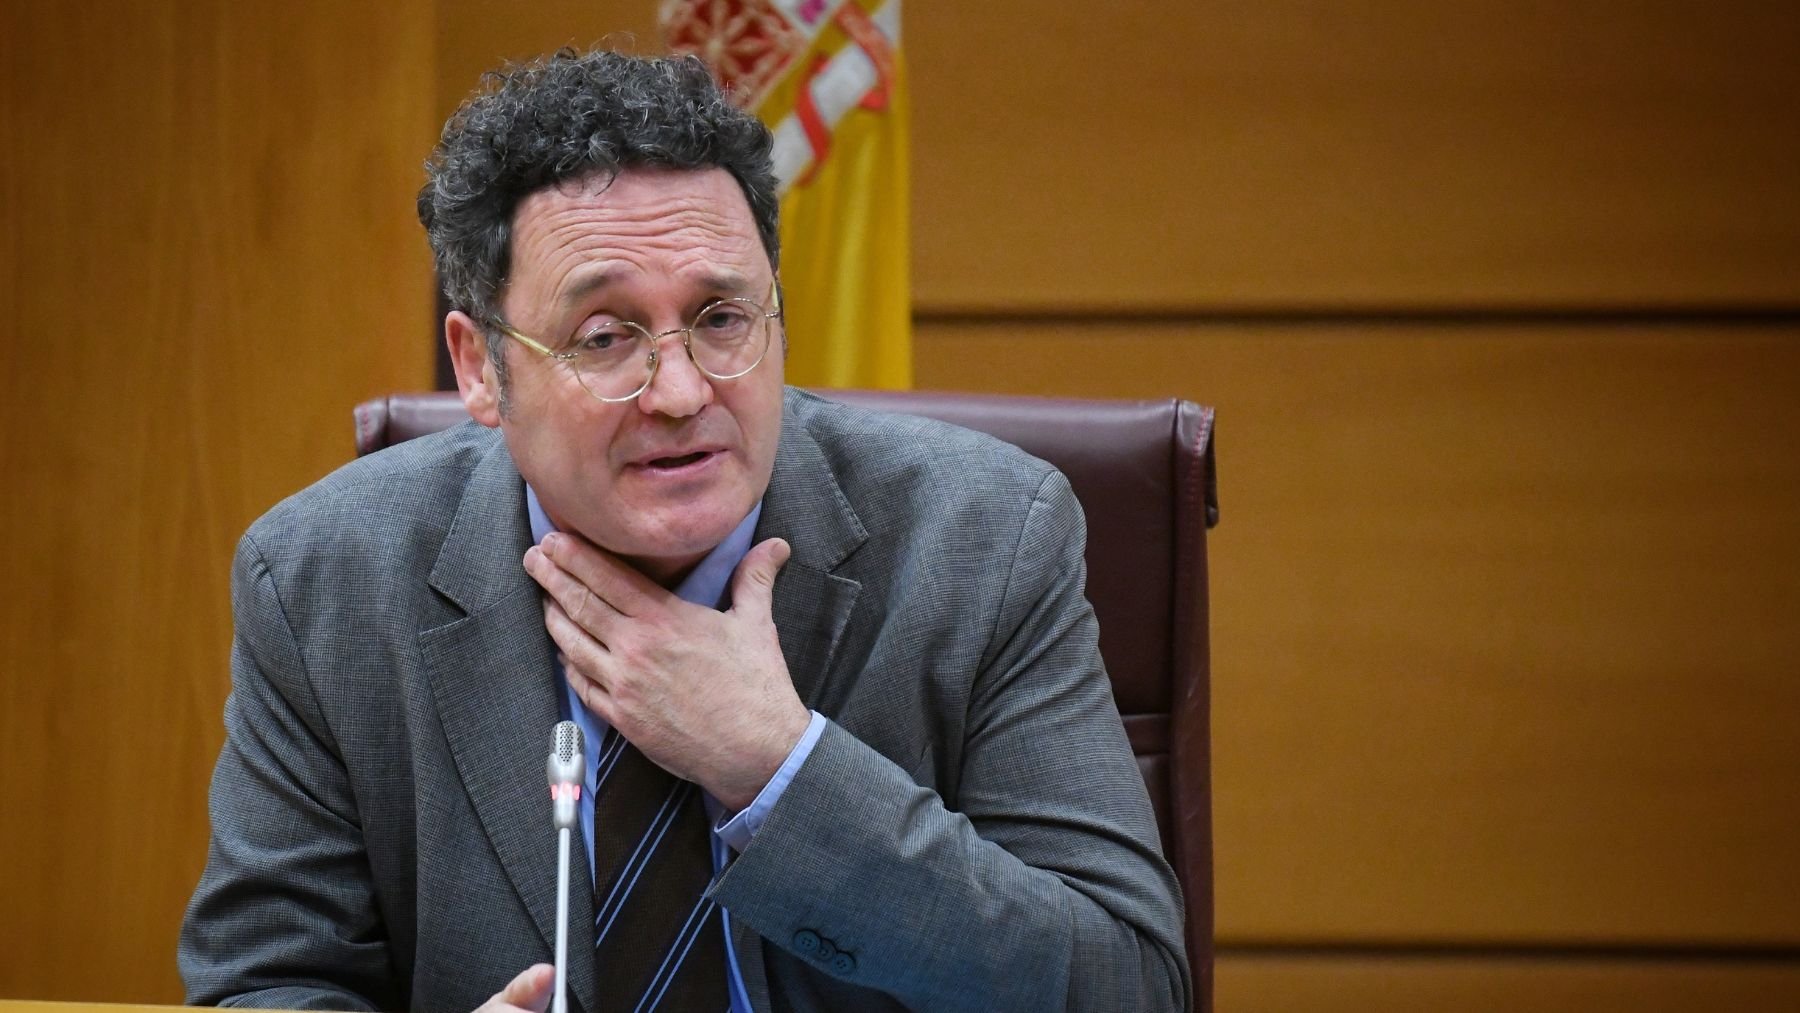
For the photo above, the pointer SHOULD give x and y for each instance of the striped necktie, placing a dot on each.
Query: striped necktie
(658, 942)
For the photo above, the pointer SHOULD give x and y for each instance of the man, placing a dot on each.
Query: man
(851, 743)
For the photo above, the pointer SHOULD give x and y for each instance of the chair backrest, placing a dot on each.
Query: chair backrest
(1143, 471)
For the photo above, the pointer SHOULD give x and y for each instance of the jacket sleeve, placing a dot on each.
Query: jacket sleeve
(285, 914)
(1044, 888)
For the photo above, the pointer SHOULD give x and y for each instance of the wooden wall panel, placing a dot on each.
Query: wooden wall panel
(1403, 153)
(1503, 618)
(1546, 984)
(210, 254)
(475, 36)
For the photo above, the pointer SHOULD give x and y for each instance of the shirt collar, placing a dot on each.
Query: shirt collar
(709, 583)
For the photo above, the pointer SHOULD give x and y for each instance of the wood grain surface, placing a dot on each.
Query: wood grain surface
(1402, 153)
(210, 255)
(1543, 984)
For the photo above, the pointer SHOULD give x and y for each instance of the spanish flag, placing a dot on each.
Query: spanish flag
(827, 77)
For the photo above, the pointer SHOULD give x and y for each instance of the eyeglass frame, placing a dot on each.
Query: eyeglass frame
(687, 342)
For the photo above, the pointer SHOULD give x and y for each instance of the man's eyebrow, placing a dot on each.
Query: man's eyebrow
(730, 282)
(587, 285)
(727, 282)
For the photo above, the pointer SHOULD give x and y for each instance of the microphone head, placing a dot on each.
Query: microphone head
(568, 756)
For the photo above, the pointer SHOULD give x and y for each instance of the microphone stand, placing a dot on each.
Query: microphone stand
(567, 769)
(561, 1003)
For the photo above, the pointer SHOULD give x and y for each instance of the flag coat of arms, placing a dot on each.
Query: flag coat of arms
(827, 78)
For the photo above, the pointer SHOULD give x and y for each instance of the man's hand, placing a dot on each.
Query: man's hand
(529, 991)
(703, 693)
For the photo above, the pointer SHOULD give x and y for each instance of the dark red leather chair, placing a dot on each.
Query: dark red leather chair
(1143, 471)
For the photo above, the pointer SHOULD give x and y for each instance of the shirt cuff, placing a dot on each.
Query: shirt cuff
(738, 830)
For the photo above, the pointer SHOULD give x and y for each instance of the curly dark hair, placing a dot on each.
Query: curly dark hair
(569, 115)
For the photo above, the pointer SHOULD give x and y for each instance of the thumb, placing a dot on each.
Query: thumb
(530, 990)
(754, 583)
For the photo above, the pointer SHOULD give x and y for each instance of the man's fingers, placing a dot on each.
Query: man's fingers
(753, 585)
(618, 585)
(574, 644)
(590, 611)
(573, 640)
(530, 990)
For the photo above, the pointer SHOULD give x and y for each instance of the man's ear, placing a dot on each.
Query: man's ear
(475, 376)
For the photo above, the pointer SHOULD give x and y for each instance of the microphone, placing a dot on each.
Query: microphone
(567, 768)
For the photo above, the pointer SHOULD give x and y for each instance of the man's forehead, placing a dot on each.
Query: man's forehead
(707, 195)
(578, 237)
(643, 209)
(585, 282)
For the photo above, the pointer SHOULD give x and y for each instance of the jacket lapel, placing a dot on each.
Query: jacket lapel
(804, 504)
(492, 676)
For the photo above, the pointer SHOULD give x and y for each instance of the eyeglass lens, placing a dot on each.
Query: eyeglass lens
(728, 339)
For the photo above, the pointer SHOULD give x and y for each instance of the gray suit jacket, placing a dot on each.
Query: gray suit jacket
(971, 832)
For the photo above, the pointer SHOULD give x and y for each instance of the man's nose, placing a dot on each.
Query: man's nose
(678, 388)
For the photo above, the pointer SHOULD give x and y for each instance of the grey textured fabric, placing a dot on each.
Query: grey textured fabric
(971, 832)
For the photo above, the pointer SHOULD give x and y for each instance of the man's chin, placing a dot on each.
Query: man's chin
(667, 571)
(670, 554)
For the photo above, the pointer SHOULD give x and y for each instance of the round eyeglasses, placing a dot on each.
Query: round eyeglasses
(615, 361)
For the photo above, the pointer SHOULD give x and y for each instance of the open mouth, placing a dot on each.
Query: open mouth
(678, 462)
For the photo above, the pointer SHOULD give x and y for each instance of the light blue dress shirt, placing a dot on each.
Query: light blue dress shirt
(706, 585)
